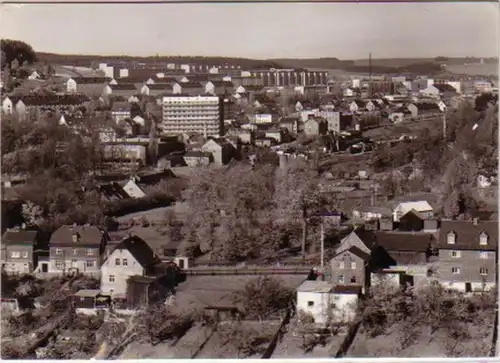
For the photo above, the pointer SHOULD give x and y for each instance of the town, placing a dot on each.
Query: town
(211, 207)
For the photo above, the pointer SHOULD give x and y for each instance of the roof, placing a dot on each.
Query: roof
(88, 234)
(139, 249)
(426, 106)
(418, 206)
(13, 237)
(356, 251)
(52, 99)
(141, 279)
(417, 214)
(347, 289)
(223, 84)
(467, 235)
(404, 241)
(123, 87)
(159, 86)
(197, 154)
(360, 103)
(321, 287)
(373, 209)
(443, 87)
(90, 80)
(88, 292)
(190, 84)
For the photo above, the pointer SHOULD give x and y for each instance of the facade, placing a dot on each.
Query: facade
(468, 254)
(76, 249)
(197, 158)
(198, 114)
(348, 267)
(221, 150)
(131, 257)
(414, 221)
(311, 127)
(326, 302)
(7, 106)
(18, 251)
(290, 77)
(126, 151)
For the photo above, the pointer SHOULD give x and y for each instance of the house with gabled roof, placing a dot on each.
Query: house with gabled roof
(348, 267)
(156, 89)
(421, 206)
(417, 222)
(468, 254)
(219, 87)
(18, 250)
(188, 88)
(131, 257)
(357, 106)
(406, 248)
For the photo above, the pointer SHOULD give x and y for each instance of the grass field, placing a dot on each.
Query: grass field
(290, 346)
(201, 291)
(423, 345)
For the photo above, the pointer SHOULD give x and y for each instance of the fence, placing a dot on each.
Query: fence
(351, 334)
(207, 271)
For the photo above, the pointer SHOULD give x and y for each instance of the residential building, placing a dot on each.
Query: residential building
(32, 107)
(406, 248)
(188, 88)
(125, 150)
(349, 266)
(468, 254)
(125, 90)
(414, 221)
(133, 190)
(197, 158)
(439, 90)
(222, 150)
(290, 123)
(357, 106)
(90, 86)
(120, 111)
(18, 251)
(312, 127)
(7, 106)
(76, 249)
(326, 302)
(156, 89)
(219, 87)
(422, 207)
(197, 114)
(131, 257)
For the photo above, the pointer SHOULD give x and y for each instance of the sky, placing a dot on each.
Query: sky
(260, 30)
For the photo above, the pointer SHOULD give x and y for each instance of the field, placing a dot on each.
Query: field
(490, 69)
(290, 344)
(424, 345)
(201, 291)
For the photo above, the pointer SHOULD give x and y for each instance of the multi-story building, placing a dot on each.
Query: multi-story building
(18, 250)
(76, 249)
(467, 254)
(290, 77)
(193, 114)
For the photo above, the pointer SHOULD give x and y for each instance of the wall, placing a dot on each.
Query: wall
(74, 258)
(121, 273)
(21, 264)
(469, 264)
(347, 272)
(321, 305)
(215, 149)
(345, 306)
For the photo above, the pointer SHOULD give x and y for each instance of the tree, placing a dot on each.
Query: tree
(247, 340)
(17, 50)
(264, 297)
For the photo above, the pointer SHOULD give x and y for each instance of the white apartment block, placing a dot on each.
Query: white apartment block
(192, 114)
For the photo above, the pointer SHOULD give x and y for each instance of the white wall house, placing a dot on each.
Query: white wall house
(133, 190)
(422, 207)
(131, 257)
(34, 75)
(7, 106)
(324, 301)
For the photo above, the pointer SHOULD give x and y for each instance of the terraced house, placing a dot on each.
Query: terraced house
(468, 254)
(76, 249)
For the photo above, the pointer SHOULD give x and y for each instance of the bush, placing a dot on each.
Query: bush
(121, 207)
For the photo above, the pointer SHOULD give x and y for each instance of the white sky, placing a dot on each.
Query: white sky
(265, 30)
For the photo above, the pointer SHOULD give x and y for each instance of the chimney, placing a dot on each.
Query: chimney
(475, 220)
(23, 226)
(76, 237)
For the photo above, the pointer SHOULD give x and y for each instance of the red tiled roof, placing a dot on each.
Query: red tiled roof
(88, 235)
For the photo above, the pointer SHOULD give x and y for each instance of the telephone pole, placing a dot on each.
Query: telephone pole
(322, 249)
(370, 79)
(444, 125)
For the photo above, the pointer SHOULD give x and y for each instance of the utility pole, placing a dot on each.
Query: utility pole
(444, 125)
(370, 79)
(322, 249)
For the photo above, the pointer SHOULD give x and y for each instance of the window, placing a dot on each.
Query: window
(483, 271)
(353, 280)
(333, 306)
(341, 265)
(59, 265)
(90, 263)
(310, 303)
(125, 262)
(455, 270)
(15, 254)
(117, 261)
(111, 278)
(483, 255)
(59, 251)
(90, 252)
(75, 252)
(25, 254)
(483, 239)
(451, 238)
(353, 265)
(455, 254)
(341, 279)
